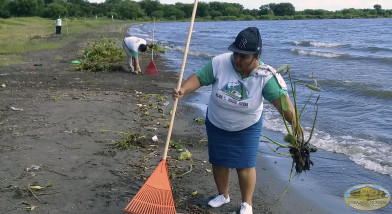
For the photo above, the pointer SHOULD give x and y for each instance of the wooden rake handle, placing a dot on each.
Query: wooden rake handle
(180, 79)
(152, 49)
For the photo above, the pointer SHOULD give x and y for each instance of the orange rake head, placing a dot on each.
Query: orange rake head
(151, 69)
(155, 196)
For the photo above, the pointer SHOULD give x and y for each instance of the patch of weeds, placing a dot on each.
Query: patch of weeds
(129, 141)
(175, 145)
(35, 37)
(58, 58)
(186, 155)
(199, 121)
(167, 124)
(144, 159)
(153, 106)
(92, 83)
(59, 97)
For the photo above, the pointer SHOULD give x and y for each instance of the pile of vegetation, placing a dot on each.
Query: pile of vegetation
(103, 56)
(158, 47)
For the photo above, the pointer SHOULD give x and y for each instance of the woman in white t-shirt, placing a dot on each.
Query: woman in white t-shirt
(240, 83)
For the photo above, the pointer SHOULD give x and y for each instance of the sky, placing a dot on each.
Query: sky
(299, 5)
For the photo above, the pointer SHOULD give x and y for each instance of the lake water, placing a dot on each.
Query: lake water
(352, 62)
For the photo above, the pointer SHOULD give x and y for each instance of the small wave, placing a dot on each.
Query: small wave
(318, 44)
(137, 31)
(369, 153)
(352, 56)
(372, 90)
(191, 52)
(379, 49)
(319, 54)
(208, 31)
(387, 60)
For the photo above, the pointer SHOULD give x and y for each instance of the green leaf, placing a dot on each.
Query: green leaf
(284, 103)
(314, 88)
(279, 153)
(287, 138)
(279, 144)
(281, 68)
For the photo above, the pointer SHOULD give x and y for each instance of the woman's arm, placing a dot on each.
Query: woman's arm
(289, 115)
(189, 86)
(136, 64)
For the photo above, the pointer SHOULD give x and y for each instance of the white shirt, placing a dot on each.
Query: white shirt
(58, 22)
(236, 103)
(133, 43)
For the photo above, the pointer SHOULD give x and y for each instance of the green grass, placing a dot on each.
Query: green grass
(20, 35)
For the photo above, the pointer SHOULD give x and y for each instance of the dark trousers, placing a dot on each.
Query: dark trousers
(58, 29)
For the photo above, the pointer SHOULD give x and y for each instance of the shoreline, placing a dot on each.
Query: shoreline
(56, 139)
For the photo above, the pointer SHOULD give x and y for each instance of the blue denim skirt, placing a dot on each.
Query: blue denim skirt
(233, 149)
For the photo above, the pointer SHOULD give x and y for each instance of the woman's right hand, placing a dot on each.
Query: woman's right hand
(178, 94)
(190, 85)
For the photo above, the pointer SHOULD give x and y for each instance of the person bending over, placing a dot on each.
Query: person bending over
(132, 45)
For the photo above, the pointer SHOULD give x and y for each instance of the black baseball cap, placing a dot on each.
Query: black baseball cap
(248, 41)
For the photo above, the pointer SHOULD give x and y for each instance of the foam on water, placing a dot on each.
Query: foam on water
(319, 44)
(370, 154)
(137, 31)
(318, 53)
(190, 52)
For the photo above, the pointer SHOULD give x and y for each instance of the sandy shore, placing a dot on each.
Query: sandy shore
(50, 132)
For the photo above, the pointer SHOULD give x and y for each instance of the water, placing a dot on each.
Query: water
(352, 61)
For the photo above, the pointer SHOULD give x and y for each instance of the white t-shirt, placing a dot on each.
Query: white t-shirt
(133, 43)
(58, 22)
(235, 102)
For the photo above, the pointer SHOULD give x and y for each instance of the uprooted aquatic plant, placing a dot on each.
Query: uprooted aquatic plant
(130, 140)
(299, 148)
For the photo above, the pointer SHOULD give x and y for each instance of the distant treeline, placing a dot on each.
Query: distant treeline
(145, 10)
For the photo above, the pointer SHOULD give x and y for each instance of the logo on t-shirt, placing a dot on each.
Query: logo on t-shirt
(236, 90)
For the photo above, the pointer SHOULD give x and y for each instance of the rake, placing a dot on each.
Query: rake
(155, 196)
(151, 69)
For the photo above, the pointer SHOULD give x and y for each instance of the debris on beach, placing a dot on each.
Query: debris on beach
(16, 109)
(154, 138)
(130, 140)
(199, 121)
(33, 167)
(31, 208)
(186, 155)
